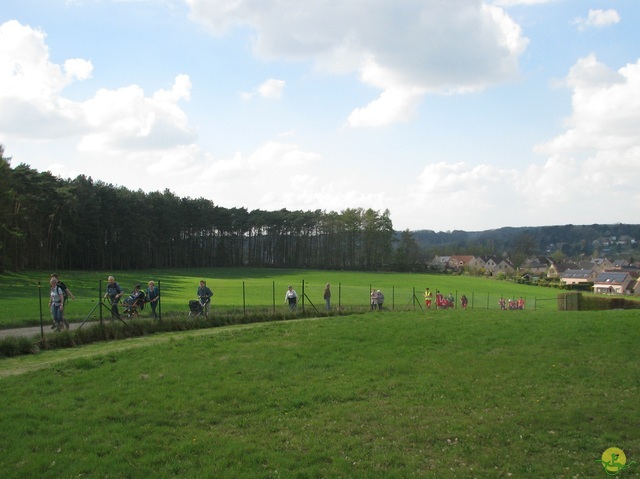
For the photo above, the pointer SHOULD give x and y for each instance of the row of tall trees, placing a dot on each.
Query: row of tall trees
(49, 222)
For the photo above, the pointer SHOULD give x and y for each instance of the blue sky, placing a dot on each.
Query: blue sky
(452, 114)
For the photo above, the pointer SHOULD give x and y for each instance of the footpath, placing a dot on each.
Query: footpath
(36, 331)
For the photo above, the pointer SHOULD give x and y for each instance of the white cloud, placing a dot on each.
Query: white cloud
(606, 109)
(287, 169)
(562, 190)
(403, 49)
(592, 170)
(598, 18)
(125, 119)
(394, 105)
(122, 122)
(30, 85)
(512, 3)
(78, 68)
(409, 48)
(272, 88)
(25, 63)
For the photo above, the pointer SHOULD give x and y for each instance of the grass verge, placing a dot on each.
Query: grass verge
(480, 395)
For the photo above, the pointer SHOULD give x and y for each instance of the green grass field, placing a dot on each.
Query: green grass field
(237, 289)
(452, 394)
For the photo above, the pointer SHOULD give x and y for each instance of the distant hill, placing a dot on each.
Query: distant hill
(571, 240)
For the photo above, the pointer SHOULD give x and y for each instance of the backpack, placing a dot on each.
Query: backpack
(63, 287)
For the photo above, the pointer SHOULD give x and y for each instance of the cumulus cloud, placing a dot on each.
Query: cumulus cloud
(30, 85)
(606, 109)
(598, 18)
(402, 47)
(120, 124)
(394, 105)
(289, 170)
(126, 119)
(590, 174)
(512, 3)
(271, 89)
(597, 160)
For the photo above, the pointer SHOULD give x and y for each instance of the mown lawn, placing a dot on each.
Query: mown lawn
(458, 394)
(240, 289)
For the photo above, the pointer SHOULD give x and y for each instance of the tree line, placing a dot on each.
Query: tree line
(558, 242)
(51, 223)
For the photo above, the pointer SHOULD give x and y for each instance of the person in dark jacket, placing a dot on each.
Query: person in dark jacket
(204, 296)
(114, 293)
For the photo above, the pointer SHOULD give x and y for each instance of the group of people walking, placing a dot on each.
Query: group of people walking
(511, 303)
(115, 292)
(442, 301)
(60, 293)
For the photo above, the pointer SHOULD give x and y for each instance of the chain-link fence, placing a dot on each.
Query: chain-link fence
(256, 296)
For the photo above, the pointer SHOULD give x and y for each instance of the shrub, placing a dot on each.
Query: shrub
(114, 330)
(581, 302)
(9, 347)
(13, 346)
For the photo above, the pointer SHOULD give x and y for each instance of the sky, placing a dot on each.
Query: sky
(452, 114)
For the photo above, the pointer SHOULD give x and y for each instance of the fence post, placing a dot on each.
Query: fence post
(159, 301)
(40, 299)
(339, 298)
(244, 300)
(100, 299)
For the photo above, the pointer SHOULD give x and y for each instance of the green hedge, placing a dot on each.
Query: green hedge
(579, 302)
(108, 331)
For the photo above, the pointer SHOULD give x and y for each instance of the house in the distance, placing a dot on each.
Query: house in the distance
(557, 269)
(490, 265)
(537, 265)
(505, 266)
(620, 264)
(578, 276)
(441, 262)
(467, 262)
(612, 283)
(601, 264)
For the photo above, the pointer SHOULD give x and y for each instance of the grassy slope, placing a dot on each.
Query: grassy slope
(453, 394)
(19, 304)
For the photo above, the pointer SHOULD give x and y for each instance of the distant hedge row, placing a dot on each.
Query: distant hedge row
(580, 302)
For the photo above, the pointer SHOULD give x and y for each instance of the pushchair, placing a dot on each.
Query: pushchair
(133, 304)
(196, 308)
